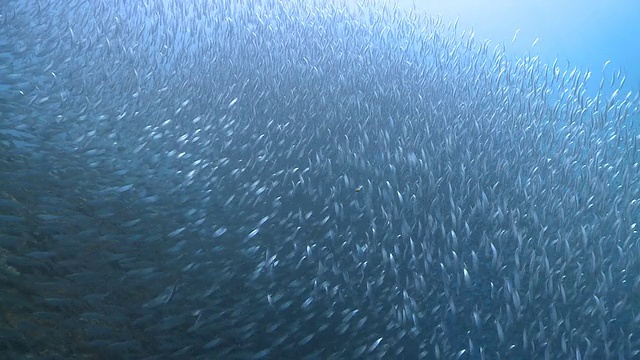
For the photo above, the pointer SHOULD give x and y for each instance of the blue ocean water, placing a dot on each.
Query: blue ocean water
(586, 34)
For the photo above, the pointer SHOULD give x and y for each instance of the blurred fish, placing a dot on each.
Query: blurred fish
(248, 180)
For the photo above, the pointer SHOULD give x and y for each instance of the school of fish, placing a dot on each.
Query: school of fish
(268, 179)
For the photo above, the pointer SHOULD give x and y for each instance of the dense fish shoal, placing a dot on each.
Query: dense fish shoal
(269, 180)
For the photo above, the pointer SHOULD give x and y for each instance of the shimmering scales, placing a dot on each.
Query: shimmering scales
(298, 180)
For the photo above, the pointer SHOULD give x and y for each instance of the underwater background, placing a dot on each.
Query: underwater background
(587, 34)
(269, 179)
